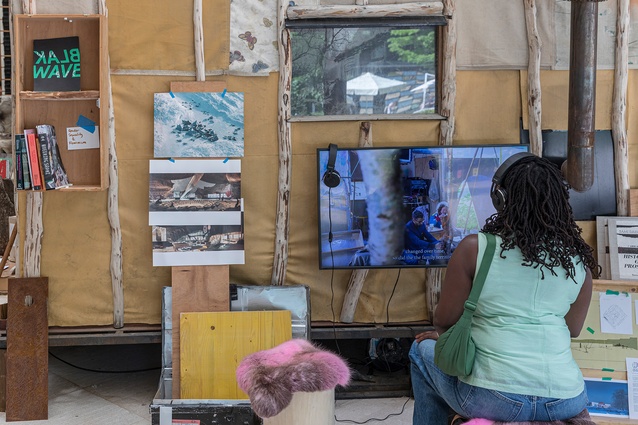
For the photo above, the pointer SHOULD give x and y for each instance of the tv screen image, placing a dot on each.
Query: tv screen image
(404, 207)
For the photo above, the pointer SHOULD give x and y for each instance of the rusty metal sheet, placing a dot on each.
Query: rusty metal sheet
(27, 350)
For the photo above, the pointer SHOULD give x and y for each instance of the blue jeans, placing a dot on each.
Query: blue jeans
(437, 397)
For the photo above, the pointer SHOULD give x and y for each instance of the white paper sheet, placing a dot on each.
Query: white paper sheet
(632, 387)
(615, 313)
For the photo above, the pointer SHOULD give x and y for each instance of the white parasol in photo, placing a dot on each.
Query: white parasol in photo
(369, 84)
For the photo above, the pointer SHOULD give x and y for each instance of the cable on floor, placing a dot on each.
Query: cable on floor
(103, 371)
(376, 419)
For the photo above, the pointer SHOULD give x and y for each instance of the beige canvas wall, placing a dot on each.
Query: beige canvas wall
(157, 35)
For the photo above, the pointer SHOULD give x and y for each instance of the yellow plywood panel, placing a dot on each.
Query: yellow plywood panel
(213, 344)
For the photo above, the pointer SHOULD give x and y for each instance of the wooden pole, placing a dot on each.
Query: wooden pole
(200, 65)
(282, 221)
(7, 250)
(117, 281)
(434, 276)
(363, 10)
(619, 108)
(357, 277)
(28, 7)
(533, 79)
(34, 232)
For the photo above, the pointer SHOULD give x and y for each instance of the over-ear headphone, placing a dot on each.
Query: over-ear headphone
(331, 177)
(497, 191)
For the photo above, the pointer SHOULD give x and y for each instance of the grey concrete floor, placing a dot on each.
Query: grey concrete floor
(78, 395)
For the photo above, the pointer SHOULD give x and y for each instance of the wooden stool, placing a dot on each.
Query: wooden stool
(314, 408)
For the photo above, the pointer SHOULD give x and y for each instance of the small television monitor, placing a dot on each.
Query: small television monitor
(403, 207)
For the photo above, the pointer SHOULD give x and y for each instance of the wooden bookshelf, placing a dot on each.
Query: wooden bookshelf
(630, 286)
(87, 169)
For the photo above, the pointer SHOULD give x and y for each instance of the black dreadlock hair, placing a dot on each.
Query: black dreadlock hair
(538, 219)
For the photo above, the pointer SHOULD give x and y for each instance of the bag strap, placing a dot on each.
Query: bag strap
(479, 279)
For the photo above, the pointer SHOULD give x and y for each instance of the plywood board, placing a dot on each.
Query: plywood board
(196, 289)
(27, 350)
(213, 344)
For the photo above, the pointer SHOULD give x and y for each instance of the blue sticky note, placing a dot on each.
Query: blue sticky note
(172, 95)
(223, 93)
(171, 159)
(86, 123)
(226, 160)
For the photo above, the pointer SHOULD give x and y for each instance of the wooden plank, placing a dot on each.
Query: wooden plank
(197, 86)
(196, 289)
(213, 344)
(27, 350)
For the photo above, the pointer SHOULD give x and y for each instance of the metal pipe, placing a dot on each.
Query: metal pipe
(579, 166)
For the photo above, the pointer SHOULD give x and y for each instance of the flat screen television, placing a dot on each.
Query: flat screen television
(387, 199)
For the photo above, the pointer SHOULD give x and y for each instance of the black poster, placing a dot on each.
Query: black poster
(56, 64)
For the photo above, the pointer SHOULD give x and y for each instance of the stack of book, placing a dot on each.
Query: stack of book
(38, 161)
(617, 242)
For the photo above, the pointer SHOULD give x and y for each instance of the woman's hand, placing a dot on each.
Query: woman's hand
(427, 335)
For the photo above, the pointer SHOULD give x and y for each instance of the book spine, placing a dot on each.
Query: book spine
(18, 154)
(59, 173)
(45, 150)
(25, 163)
(34, 163)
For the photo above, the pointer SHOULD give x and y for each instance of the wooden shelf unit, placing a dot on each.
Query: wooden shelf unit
(87, 169)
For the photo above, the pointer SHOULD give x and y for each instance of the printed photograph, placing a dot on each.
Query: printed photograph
(198, 245)
(198, 125)
(195, 191)
(608, 397)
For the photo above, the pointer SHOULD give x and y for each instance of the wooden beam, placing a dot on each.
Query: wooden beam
(533, 79)
(28, 7)
(434, 276)
(434, 8)
(358, 277)
(282, 220)
(34, 231)
(113, 211)
(200, 65)
(619, 108)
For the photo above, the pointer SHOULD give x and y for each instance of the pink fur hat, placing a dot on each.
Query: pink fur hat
(270, 377)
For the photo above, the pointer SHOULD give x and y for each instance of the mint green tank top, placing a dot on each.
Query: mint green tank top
(523, 345)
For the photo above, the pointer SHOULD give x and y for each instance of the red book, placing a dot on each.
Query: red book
(34, 162)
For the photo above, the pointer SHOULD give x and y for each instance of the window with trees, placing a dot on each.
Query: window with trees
(385, 67)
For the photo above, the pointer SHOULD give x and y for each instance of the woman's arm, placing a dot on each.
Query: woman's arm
(575, 317)
(457, 284)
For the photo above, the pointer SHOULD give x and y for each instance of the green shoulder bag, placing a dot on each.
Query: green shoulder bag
(454, 350)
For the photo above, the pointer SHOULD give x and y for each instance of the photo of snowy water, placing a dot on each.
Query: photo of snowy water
(198, 125)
